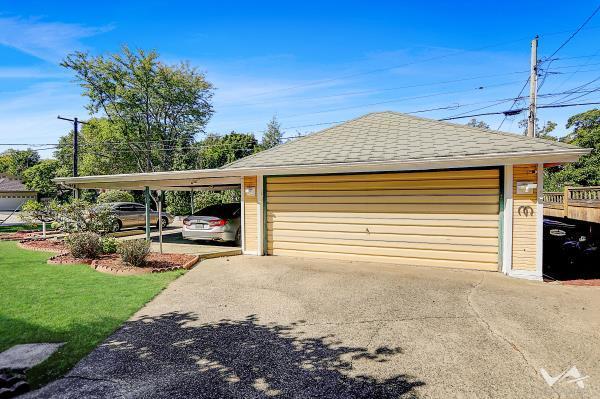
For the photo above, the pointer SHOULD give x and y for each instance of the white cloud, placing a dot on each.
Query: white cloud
(49, 41)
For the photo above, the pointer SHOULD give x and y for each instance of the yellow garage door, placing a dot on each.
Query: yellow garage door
(444, 218)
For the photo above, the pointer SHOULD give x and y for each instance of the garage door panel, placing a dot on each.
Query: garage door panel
(387, 251)
(449, 219)
(388, 199)
(304, 236)
(390, 192)
(378, 185)
(441, 175)
(386, 229)
(397, 208)
(427, 218)
(309, 243)
(389, 259)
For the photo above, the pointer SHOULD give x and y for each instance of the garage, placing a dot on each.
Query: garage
(441, 218)
(389, 187)
(13, 194)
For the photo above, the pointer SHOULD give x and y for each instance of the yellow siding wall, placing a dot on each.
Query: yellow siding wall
(524, 220)
(250, 216)
(447, 218)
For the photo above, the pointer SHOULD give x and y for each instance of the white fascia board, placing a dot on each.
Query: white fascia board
(559, 156)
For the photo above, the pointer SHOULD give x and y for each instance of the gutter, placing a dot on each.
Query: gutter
(497, 159)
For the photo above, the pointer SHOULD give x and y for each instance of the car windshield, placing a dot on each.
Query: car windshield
(220, 211)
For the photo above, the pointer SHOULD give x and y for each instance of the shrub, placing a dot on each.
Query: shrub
(109, 245)
(78, 216)
(84, 245)
(134, 252)
(115, 196)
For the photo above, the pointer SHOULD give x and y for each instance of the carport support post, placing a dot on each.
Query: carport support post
(160, 198)
(147, 199)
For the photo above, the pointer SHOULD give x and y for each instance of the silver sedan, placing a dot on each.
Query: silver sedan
(221, 222)
(131, 214)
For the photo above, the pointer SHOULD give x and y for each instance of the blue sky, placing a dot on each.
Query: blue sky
(308, 63)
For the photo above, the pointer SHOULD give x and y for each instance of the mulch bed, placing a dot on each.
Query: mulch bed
(112, 263)
(18, 235)
(581, 282)
(43, 244)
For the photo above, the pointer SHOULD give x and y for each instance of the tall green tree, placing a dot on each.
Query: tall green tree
(15, 162)
(273, 135)
(103, 149)
(586, 171)
(39, 178)
(212, 152)
(157, 108)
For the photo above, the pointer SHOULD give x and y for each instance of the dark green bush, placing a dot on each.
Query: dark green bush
(134, 252)
(84, 244)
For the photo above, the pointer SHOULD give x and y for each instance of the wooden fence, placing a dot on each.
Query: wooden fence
(580, 203)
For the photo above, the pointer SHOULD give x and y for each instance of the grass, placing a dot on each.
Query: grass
(71, 303)
(14, 229)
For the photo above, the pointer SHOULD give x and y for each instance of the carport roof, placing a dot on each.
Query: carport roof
(393, 137)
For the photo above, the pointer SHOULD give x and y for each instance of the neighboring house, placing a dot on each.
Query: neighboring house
(13, 193)
(387, 187)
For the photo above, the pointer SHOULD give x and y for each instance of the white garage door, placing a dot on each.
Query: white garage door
(443, 218)
(10, 202)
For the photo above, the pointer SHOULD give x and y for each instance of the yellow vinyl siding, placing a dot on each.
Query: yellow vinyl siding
(250, 216)
(446, 218)
(524, 225)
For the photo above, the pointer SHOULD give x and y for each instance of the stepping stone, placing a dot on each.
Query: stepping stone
(25, 356)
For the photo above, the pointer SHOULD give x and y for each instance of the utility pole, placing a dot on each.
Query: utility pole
(76, 123)
(533, 89)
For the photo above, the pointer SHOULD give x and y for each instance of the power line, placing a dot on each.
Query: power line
(519, 110)
(550, 58)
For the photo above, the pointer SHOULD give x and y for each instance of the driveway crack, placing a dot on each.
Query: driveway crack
(497, 334)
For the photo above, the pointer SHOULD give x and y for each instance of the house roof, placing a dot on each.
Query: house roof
(377, 142)
(8, 184)
(396, 137)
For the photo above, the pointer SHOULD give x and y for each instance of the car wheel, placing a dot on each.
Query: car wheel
(116, 226)
(238, 237)
(165, 223)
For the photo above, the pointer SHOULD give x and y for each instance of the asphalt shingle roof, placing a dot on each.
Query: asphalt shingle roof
(11, 184)
(392, 136)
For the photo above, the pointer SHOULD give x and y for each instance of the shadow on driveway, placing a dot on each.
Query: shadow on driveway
(171, 356)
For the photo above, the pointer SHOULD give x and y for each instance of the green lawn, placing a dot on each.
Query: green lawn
(70, 303)
(12, 229)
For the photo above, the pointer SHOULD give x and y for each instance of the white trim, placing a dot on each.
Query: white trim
(259, 214)
(540, 221)
(204, 176)
(525, 274)
(508, 220)
(243, 216)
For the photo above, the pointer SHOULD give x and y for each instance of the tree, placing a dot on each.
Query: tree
(39, 178)
(273, 135)
(586, 171)
(212, 152)
(103, 149)
(540, 132)
(39, 212)
(475, 123)
(14, 162)
(157, 108)
(78, 216)
(115, 196)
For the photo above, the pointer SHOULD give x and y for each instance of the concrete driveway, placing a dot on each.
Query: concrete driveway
(247, 327)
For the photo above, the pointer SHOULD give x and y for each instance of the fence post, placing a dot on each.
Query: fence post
(566, 202)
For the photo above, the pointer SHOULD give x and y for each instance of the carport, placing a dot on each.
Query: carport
(161, 182)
